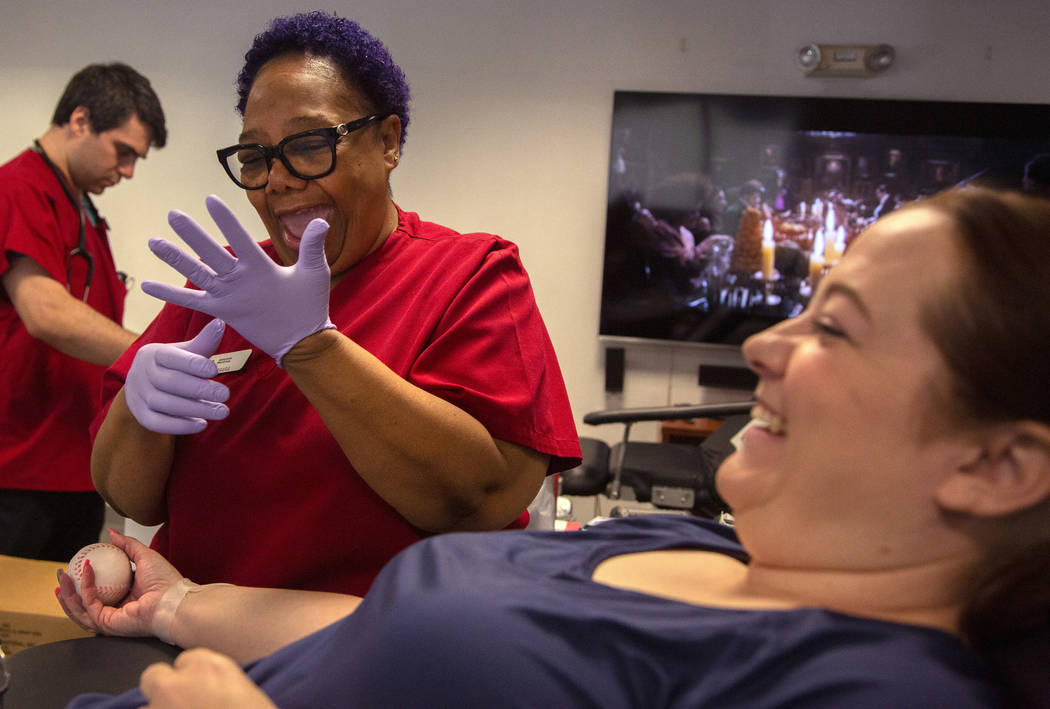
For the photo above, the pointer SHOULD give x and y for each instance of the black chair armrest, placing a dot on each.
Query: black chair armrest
(667, 413)
(630, 416)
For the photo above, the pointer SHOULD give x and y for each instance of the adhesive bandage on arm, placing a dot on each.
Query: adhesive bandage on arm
(168, 606)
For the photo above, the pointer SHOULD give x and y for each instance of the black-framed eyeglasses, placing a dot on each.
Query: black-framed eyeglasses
(307, 155)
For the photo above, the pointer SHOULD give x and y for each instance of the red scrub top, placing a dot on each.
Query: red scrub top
(48, 399)
(267, 498)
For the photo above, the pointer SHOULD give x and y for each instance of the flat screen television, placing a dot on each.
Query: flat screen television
(725, 210)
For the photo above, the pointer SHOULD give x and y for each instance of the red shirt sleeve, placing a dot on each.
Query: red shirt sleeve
(29, 226)
(493, 358)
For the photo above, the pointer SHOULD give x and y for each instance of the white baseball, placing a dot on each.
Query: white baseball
(112, 571)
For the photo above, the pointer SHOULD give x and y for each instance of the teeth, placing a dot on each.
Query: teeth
(772, 422)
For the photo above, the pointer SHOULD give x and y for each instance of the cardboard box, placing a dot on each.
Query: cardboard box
(29, 612)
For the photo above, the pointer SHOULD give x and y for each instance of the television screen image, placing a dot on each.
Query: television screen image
(724, 211)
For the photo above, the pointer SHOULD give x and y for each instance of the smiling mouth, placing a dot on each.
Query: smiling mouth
(295, 223)
(769, 420)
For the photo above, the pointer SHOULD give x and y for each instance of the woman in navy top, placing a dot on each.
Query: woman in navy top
(891, 506)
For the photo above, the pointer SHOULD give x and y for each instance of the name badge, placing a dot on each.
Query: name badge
(230, 361)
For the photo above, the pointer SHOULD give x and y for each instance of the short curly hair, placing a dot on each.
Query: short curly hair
(364, 59)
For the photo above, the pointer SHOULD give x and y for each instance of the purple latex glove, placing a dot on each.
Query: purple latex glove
(272, 306)
(169, 387)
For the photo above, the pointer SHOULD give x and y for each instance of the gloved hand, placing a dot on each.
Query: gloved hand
(272, 306)
(169, 387)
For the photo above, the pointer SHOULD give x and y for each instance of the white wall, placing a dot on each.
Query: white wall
(512, 109)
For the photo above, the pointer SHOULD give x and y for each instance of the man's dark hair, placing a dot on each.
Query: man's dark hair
(112, 93)
(366, 64)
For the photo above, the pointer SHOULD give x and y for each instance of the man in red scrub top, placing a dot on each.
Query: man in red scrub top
(62, 305)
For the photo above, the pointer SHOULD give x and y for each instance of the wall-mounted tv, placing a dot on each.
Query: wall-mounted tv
(725, 210)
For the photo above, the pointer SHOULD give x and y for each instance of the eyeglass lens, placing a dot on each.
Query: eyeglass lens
(306, 156)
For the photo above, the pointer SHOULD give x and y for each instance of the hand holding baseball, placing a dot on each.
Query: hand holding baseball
(134, 614)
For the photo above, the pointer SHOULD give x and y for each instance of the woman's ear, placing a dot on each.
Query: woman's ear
(1008, 472)
(390, 134)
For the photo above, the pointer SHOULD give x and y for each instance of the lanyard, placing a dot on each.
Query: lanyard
(80, 250)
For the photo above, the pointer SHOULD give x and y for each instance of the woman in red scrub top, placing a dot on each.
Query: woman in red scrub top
(361, 380)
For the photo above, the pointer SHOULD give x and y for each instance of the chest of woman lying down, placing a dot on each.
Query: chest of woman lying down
(584, 619)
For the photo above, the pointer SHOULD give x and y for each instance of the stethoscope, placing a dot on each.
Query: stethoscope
(80, 250)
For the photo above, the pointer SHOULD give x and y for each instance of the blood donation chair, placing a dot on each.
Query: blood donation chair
(677, 476)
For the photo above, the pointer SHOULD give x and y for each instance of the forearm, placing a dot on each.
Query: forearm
(434, 463)
(249, 623)
(67, 324)
(130, 465)
(82, 332)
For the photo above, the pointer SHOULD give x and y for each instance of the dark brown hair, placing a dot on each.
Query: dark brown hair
(994, 333)
(112, 93)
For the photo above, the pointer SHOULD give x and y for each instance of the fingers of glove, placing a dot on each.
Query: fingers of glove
(186, 297)
(161, 412)
(177, 357)
(141, 405)
(210, 250)
(165, 404)
(242, 242)
(171, 425)
(197, 272)
(207, 341)
(185, 386)
(311, 249)
(167, 380)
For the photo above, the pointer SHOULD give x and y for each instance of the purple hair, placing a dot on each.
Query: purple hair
(363, 58)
